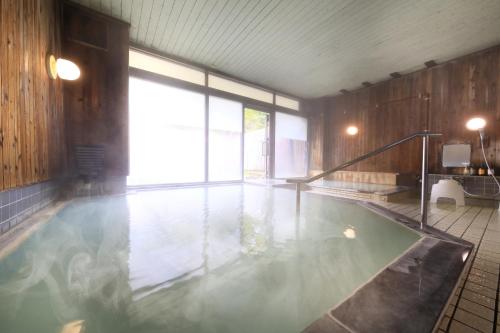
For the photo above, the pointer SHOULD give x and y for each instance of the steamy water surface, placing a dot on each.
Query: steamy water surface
(219, 259)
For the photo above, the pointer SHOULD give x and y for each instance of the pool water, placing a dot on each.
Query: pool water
(233, 258)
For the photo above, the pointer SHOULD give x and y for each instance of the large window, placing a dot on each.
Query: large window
(290, 146)
(233, 87)
(188, 73)
(287, 102)
(200, 132)
(167, 134)
(225, 131)
(166, 67)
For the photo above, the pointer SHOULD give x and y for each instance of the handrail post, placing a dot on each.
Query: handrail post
(297, 198)
(425, 172)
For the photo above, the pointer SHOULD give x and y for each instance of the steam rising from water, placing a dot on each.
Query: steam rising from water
(76, 260)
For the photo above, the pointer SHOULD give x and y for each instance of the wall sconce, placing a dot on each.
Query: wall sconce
(62, 68)
(476, 124)
(352, 130)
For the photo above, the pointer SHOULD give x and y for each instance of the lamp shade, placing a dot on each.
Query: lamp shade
(476, 124)
(352, 130)
(51, 66)
(67, 70)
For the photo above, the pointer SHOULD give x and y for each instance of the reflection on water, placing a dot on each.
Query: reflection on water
(349, 232)
(73, 327)
(213, 259)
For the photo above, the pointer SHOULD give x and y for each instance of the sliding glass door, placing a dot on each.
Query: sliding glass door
(167, 134)
(290, 146)
(225, 122)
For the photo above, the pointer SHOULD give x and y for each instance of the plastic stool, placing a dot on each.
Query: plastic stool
(448, 188)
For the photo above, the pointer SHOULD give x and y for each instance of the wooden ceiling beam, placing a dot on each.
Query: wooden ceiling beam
(430, 63)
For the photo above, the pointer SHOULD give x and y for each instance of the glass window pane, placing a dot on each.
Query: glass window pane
(167, 134)
(256, 144)
(165, 67)
(287, 102)
(290, 146)
(234, 87)
(224, 137)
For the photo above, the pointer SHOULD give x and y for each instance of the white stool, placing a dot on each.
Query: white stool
(448, 188)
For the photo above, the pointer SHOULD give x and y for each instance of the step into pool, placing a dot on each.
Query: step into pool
(234, 258)
(358, 187)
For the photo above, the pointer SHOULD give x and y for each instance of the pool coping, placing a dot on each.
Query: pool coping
(388, 302)
(17, 235)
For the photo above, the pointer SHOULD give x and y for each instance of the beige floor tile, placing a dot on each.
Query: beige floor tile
(485, 253)
(458, 327)
(493, 226)
(477, 233)
(478, 298)
(489, 249)
(489, 241)
(485, 275)
(488, 257)
(492, 235)
(487, 261)
(474, 321)
(476, 309)
(485, 266)
(482, 281)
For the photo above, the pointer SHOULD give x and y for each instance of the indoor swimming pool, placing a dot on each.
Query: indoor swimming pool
(233, 258)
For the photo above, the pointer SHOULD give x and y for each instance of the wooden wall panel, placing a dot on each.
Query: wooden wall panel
(97, 104)
(32, 119)
(315, 134)
(389, 110)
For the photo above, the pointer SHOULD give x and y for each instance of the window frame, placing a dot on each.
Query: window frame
(246, 102)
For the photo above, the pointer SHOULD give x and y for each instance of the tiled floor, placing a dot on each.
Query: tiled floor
(475, 306)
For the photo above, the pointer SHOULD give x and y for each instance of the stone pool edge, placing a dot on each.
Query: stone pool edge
(382, 304)
(13, 238)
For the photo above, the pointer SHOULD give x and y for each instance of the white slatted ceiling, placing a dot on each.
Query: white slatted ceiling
(309, 48)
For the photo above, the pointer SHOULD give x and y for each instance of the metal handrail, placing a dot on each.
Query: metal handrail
(425, 159)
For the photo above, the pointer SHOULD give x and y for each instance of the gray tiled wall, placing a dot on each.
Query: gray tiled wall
(19, 203)
(480, 185)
